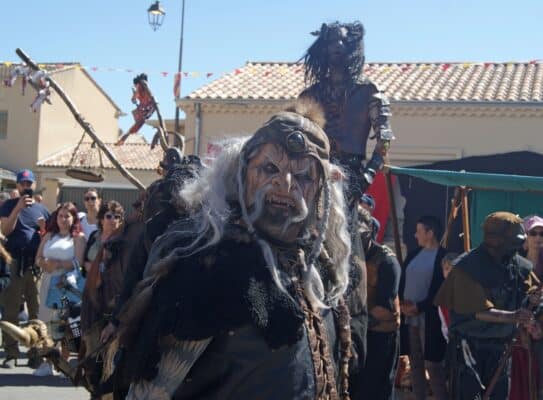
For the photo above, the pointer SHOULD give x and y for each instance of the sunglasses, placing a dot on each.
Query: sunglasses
(536, 233)
(89, 198)
(112, 216)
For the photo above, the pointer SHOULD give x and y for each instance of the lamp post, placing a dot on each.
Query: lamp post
(155, 10)
(155, 14)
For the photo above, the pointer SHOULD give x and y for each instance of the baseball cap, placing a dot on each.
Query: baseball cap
(532, 221)
(25, 175)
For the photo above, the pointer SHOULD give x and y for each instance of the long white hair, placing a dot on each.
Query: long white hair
(212, 195)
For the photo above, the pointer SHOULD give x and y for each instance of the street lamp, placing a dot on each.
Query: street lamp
(155, 11)
(156, 14)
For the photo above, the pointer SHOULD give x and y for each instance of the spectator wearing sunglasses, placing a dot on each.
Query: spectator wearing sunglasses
(103, 264)
(89, 219)
(109, 221)
(533, 225)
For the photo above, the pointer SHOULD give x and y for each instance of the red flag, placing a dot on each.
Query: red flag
(177, 85)
(94, 69)
(237, 72)
(209, 74)
(446, 67)
(164, 73)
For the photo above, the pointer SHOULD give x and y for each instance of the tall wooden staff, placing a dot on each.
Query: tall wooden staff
(465, 218)
(394, 215)
(84, 124)
(455, 205)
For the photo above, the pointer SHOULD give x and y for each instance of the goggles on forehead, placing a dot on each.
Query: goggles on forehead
(295, 142)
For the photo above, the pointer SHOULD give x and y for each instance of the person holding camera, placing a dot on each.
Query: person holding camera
(19, 223)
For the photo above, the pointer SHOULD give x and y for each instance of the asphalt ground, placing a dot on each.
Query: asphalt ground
(19, 384)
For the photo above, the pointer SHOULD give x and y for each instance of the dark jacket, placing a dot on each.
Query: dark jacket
(435, 344)
(259, 338)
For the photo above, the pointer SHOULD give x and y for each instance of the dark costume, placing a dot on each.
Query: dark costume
(258, 331)
(353, 105)
(376, 379)
(477, 283)
(215, 322)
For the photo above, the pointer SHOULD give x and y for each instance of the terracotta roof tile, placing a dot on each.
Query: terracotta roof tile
(496, 82)
(134, 156)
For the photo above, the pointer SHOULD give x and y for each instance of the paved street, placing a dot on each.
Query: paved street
(20, 384)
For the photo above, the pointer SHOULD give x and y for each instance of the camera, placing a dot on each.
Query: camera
(28, 192)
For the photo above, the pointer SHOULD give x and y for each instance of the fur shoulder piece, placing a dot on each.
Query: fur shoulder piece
(204, 295)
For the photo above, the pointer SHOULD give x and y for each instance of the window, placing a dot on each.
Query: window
(3, 124)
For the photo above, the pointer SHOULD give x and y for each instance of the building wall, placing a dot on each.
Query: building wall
(54, 179)
(423, 135)
(221, 123)
(19, 149)
(422, 139)
(59, 129)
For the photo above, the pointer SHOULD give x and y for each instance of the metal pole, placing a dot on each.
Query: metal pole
(180, 65)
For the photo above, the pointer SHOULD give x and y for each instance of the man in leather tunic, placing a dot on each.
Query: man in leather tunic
(486, 294)
(243, 298)
(353, 105)
(375, 380)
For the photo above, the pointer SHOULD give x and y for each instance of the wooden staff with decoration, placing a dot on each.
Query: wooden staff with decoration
(84, 124)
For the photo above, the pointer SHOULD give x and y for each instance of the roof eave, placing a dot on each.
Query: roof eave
(433, 103)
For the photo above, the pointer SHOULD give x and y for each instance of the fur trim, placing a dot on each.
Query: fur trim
(310, 109)
(109, 359)
(145, 390)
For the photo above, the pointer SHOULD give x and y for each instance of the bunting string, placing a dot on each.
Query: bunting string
(11, 71)
(282, 69)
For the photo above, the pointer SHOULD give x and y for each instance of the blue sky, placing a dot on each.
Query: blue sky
(223, 35)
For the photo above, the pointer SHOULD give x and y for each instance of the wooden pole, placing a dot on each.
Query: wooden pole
(394, 214)
(465, 218)
(453, 213)
(84, 124)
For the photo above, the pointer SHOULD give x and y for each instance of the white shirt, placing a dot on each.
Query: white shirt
(85, 226)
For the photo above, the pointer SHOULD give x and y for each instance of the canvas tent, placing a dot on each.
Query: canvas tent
(509, 181)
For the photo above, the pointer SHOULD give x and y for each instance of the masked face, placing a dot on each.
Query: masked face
(336, 42)
(280, 191)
